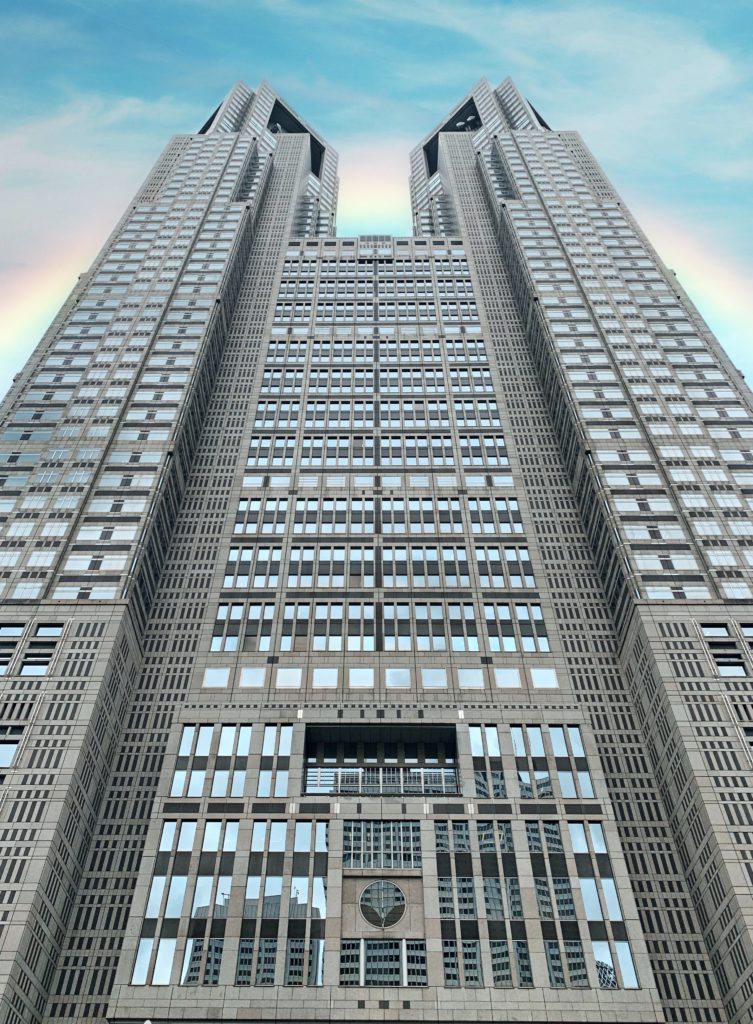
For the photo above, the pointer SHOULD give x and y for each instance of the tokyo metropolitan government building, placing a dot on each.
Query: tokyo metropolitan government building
(377, 624)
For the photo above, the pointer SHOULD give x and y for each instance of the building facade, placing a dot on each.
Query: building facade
(376, 615)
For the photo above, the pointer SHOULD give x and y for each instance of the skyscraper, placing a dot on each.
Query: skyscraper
(376, 626)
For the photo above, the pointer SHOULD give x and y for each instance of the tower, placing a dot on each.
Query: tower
(374, 622)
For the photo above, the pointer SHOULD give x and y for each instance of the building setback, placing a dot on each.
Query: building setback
(376, 614)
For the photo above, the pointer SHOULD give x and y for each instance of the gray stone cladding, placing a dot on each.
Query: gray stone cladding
(375, 635)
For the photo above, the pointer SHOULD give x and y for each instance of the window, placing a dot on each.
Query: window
(265, 966)
(507, 678)
(8, 749)
(361, 678)
(288, 678)
(397, 678)
(605, 971)
(141, 964)
(470, 679)
(383, 962)
(216, 677)
(324, 678)
(381, 844)
(501, 968)
(544, 678)
(251, 676)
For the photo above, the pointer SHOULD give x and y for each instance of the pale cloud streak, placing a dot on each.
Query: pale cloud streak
(664, 107)
(70, 173)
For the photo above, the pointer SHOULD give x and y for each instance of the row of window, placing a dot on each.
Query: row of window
(385, 963)
(371, 626)
(354, 515)
(281, 450)
(398, 677)
(379, 843)
(402, 415)
(337, 380)
(415, 566)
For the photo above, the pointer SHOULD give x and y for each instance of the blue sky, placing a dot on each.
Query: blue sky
(92, 89)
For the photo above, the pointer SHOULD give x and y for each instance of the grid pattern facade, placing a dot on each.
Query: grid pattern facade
(374, 635)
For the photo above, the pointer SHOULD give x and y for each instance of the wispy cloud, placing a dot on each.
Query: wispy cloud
(662, 94)
(66, 177)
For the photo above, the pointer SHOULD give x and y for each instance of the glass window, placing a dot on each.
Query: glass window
(245, 960)
(611, 899)
(258, 836)
(470, 679)
(567, 784)
(507, 678)
(627, 967)
(397, 678)
(576, 964)
(281, 783)
(227, 741)
(277, 835)
(477, 742)
(605, 971)
(189, 974)
(252, 676)
(175, 895)
(350, 962)
(215, 678)
(576, 744)
(590, 896)
(244, 741)
(302, 841)
(518, 743)
(544, 678)
(8, 750)
(585, 783)
(167, 837)
(433, 678)
(536, 741)
(382, 962)
(554, 964)
(492, 741)
(251, 901)
(211, 841)
(319, 897)
(154, 902)
(230, 839)
(265, 965)
(272, 894)
(324, 678)
(204, 741)
(288, 678)
(141, 964)
(578, 837)
(450, 961)
(270, 740)
(202, 896)
(163, 962)
(523, 962)
(186, 740)
(321, 841)
(361, 678)
(187, 836)
(597, 837)
(501, 969)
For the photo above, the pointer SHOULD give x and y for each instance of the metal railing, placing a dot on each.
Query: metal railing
(381, 780)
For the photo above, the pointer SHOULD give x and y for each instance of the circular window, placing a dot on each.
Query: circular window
(382, 904)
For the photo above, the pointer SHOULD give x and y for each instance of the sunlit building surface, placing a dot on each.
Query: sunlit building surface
(377, 615)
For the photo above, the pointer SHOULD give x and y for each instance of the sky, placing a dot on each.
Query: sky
(91, 90)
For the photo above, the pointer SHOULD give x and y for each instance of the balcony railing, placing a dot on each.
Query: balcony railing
(382, 780)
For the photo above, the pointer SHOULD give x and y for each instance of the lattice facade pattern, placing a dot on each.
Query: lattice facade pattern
(376, 619)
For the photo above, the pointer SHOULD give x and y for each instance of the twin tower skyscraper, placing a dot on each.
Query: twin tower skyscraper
(377, 625)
